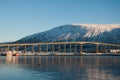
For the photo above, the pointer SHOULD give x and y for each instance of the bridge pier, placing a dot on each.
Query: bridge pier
(17, 48)
(64, 48)
(8, 48)
(33, 49)
(24, 49)
(109, 48)
(59, 49)
(100, 48)
(75, 48)
(119, 49)
(112, 49)
(96, 48)
(70, 48)
(39, 48)
(52, 48)
(105, 46)
(116, 49)
(46, 48)
(81, 48)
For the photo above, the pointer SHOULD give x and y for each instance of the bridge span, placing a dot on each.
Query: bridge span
(61, 47)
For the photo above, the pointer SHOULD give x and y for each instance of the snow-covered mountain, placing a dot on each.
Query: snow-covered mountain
(108, 33)
(9, 42)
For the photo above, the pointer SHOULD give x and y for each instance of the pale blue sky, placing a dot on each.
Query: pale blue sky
(19, 18)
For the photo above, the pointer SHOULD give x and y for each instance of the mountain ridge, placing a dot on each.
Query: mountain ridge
(107, 33)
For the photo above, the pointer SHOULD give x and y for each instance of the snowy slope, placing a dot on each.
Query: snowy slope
(109, 33)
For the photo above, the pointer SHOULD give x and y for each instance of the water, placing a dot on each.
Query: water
(60, 68)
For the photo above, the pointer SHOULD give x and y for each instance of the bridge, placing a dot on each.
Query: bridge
(61, 48)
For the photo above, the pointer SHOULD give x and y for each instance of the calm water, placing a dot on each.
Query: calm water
(60, 68)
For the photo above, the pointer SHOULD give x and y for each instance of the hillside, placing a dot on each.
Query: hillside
(108, 33)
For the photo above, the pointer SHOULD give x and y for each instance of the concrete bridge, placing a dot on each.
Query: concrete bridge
(62, 47)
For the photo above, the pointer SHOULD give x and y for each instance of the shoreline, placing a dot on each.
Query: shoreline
(68, 55)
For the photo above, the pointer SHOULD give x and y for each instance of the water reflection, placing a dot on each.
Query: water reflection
(11, 60)
(70, 67)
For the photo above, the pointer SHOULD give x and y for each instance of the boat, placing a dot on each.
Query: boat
(2, 54)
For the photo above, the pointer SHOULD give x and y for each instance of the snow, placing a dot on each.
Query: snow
(78, 32)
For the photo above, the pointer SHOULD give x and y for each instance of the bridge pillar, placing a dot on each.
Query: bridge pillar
(24, 48)
(116, 49)
(75, 48)
(2, 49)
(32, 48)
(46, 48)
(70, 48)
(96, 48)
(113, 48)
(17, 48)
(52, 48)
(110, 47)
(81, 49)
(106, 49)
(101, 49)
(59, 49)
(64, 48)
(8, 48)
(119, 50)
(39, 48)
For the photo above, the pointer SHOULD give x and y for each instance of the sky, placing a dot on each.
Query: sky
(20, 18)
